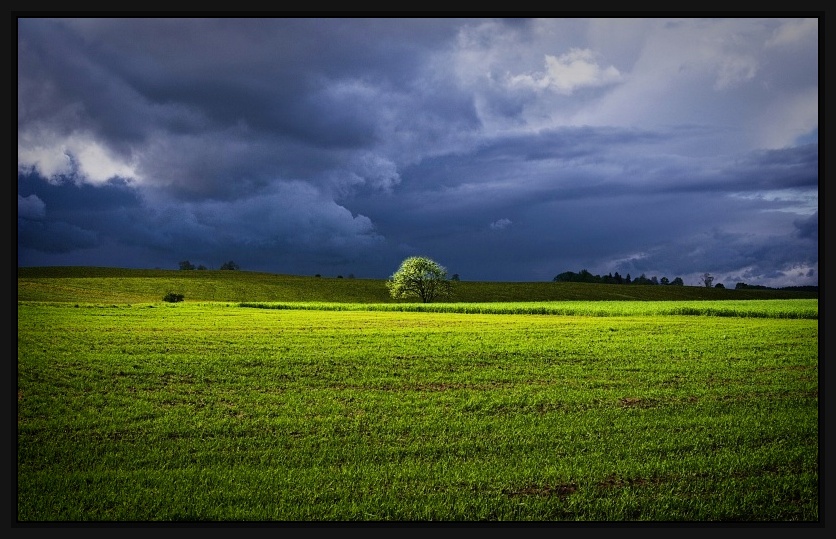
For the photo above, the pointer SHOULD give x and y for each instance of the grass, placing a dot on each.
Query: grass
(790, 308)
(206, 411)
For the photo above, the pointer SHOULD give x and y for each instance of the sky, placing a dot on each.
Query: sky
(503, 149)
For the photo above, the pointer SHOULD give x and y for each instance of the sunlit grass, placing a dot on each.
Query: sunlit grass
(211, 412)
(790, 308)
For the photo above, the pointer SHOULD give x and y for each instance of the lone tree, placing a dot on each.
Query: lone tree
(420, 277)
(230, 266)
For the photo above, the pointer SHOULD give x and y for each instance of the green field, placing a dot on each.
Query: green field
(323, 400)
(71, 284)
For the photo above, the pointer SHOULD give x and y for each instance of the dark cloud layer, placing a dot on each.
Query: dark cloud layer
(506, 149)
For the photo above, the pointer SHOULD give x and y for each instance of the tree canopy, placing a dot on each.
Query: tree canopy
(419, 277)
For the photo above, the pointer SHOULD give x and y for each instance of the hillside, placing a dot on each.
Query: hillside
(115, 285)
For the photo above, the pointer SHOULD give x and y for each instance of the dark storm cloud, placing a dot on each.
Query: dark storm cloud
(54, 236)
(508, 149)
(289, 76)
(784, 168)
(808, 228)
(64, 217)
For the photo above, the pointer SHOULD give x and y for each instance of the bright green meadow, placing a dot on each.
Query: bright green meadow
(280, 398)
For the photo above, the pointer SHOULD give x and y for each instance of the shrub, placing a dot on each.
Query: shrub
(172, 297)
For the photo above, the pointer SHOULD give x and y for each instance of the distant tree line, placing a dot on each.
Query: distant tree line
(806, 288)
(707, 280)
(584, 276)
(744, 286)
(186, 265)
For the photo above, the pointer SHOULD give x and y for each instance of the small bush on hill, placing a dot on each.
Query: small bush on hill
(172, 297)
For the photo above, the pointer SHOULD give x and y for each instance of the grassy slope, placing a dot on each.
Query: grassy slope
(116, 285)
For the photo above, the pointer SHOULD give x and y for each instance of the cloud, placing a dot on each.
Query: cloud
(30, 207)
(287, 217)
(370, 170)
(790, 121)
(808, 228)
(54, 236)
(568, 72)
(500, 224)
(793, 32)
(735, 69)
(76, 156)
